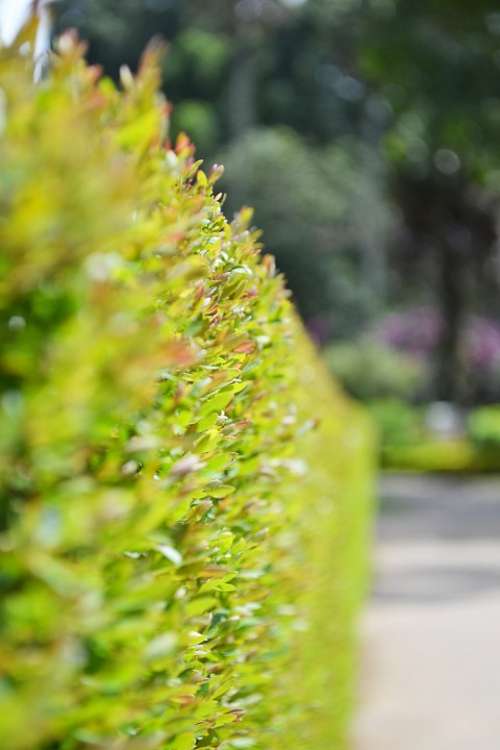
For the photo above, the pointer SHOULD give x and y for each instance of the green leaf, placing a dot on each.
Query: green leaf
(221, 490)
(201, 605)
(184, 741)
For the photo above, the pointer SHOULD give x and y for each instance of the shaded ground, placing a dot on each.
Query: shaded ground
(431, 661)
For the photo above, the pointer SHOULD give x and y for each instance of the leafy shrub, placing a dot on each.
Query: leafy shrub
(398, 423)
(183, 498)
(455, 456)
(417, 332)
(407, 442)
(369, 370)
(484, 427)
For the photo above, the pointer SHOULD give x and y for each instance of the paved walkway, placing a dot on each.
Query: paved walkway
(431, 661)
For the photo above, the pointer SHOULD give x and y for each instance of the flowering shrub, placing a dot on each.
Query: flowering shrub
(184, 499)
(417, 333)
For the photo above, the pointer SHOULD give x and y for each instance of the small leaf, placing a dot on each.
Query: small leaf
(222, 490)
(201, 605)
(186, 465)
(170, 553)
(201, 178)
(161, 646)
(184, 741)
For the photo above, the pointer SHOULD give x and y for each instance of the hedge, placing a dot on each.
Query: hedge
(184, 497)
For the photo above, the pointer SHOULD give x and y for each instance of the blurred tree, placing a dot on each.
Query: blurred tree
(436, 63)
(311, 204)
(291, 62)
(232, 66)
(416, 83)
(216, 50)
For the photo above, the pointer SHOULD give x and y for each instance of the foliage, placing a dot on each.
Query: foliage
(439, 79)
(398, 422)
(197, 119)
(454, 456)
(415, 83)
(439, 49)
(184, 499)
(256, 87)
(407, 442)
(371, 370)
(288, 45)
(417, 331)
(310, 204)
(484, 427)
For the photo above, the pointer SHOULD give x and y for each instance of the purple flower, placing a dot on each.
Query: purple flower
(415, 332)
(482, 344)
(419, 330)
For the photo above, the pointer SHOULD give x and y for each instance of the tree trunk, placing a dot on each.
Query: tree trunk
(242, 85)
(452, 303)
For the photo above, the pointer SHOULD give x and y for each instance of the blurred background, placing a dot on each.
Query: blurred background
(366, 135)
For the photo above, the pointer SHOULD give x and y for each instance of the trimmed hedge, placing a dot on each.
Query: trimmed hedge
(483, 427)
(407, 443)
(184, 499)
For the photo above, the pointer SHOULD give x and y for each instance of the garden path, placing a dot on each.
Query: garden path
(431, 635)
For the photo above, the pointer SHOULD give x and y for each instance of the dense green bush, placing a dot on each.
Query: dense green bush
(483, 426)
(184, 500)
(397, 422)
(408, 443)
